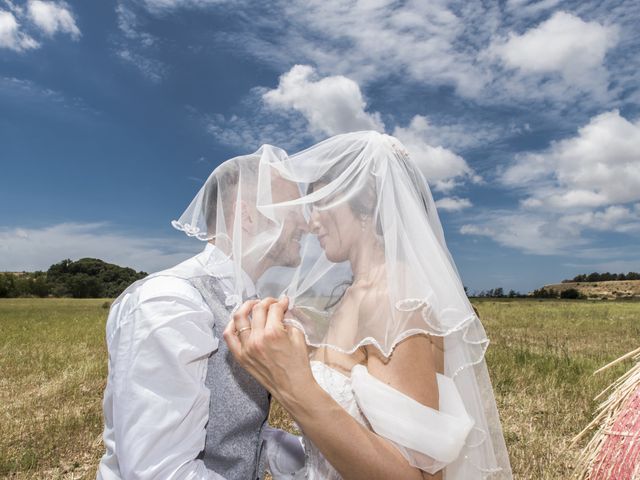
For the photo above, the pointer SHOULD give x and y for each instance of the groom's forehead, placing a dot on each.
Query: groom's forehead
(283, 189)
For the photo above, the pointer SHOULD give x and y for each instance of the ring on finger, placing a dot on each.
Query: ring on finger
(243, 329)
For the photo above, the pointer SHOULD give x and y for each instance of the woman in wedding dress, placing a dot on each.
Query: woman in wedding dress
(373, 347)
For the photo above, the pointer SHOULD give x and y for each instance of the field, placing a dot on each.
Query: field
(541, 359)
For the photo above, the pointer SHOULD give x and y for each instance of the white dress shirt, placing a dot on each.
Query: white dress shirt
(156, 405)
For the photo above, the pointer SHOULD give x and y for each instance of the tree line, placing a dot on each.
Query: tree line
(603, 277)
(84, 278)
(570, 293)
(94, 278)
(496, 293)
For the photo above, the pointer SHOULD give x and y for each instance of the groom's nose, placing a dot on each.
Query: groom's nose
(301, 221)
(303, 224)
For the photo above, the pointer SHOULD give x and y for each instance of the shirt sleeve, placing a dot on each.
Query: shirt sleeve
(285, 453)
(160, 401)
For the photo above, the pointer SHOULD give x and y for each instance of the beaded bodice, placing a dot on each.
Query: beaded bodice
(338, 385)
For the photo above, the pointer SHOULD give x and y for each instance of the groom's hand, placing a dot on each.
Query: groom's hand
(275, 354)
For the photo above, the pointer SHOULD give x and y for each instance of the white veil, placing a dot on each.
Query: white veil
(225, 212)
(361, 194)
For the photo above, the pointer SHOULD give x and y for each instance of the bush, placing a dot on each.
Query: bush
(571, 293)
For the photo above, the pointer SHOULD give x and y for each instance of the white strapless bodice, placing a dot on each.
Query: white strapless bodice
(430, 439)
(338, 385)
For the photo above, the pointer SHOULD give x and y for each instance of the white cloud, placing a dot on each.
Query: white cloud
(152, 69)
(554, 233)
(442, 167)
(52, 17)
(331, 105)
(129, 25)
(164, 6)
(370, 40)
(615, 218)
(10, 35)
(530, 233)
(461, 133)
(526, 8)
(136, 47)
(563, 44)
(581, 186)
(247, 133)
(439, 43)
(476, 47)
(36, 97)
(600, 166)
(31, 249)
(47, 17)
(453, 204)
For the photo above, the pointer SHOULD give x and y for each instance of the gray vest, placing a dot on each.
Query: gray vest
(239, 405)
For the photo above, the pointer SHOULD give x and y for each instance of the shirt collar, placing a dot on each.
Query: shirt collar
(218, 264)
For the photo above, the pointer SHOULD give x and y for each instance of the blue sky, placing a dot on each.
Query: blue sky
(523, 115)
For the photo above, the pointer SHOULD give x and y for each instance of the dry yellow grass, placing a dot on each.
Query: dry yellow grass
(53, 366)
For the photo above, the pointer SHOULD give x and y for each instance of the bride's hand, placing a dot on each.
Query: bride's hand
(274, 354)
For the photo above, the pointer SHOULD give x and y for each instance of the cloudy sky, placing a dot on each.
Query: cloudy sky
(524, 115)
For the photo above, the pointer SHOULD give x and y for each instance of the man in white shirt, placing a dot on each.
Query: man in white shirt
(176, 405)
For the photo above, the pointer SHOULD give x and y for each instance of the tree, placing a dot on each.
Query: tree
(90, 277)
(544, 293)
(39, 286)
(7, 285)
(603, 277)
(83, 285)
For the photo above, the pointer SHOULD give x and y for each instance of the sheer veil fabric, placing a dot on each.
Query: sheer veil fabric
(371, 269)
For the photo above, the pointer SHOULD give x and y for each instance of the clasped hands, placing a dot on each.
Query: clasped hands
(276, 355)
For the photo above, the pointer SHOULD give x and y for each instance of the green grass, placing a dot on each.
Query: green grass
(541, 359)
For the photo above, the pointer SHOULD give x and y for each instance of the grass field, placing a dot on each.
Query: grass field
(541, 359)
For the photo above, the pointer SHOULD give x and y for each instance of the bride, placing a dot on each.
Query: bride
(373, 346)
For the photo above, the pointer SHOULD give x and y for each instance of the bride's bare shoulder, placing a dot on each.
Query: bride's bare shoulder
(411, 368)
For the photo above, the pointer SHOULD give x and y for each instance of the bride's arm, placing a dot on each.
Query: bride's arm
(278, 359)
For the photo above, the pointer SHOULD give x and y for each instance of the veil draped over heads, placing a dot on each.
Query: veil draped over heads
(225, 212)
(370, 236)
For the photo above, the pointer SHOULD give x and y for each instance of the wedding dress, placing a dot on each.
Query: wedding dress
(338, 385)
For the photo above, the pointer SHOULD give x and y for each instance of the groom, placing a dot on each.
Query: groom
(176, 404)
